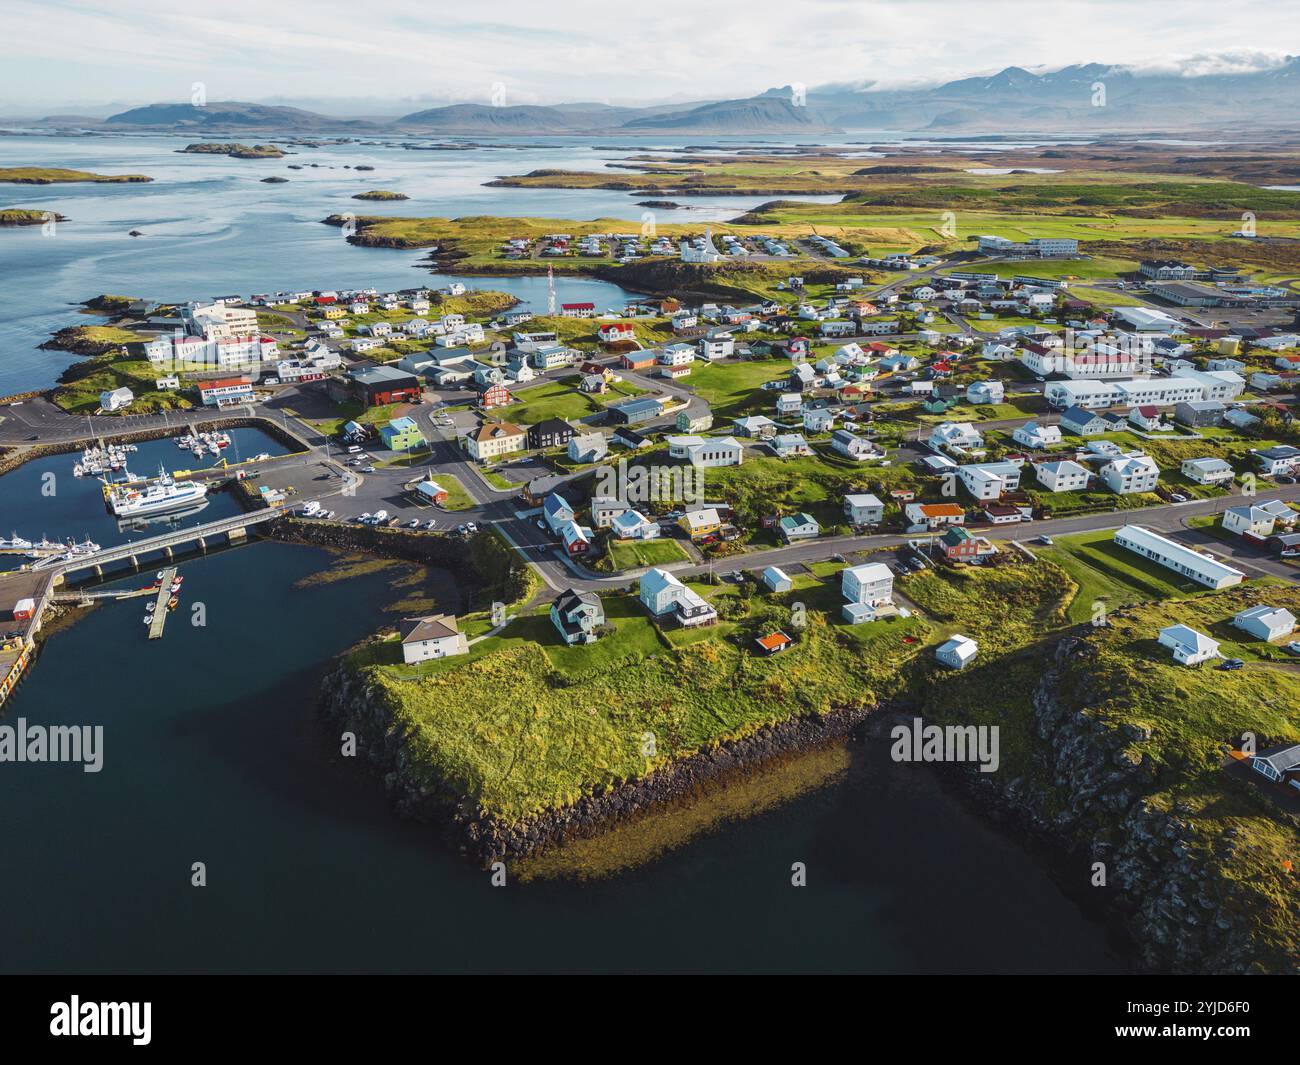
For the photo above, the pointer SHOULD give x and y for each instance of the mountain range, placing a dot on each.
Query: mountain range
(1091, 97)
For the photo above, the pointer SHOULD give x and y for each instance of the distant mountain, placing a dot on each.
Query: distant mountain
(234, 115)
(1086, 98)
(760, 114)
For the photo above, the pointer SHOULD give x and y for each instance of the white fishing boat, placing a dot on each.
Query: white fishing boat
(165, 494)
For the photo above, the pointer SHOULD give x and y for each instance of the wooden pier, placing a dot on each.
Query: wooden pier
(160, 604)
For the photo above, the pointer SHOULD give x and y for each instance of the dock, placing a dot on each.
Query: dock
(160, 604)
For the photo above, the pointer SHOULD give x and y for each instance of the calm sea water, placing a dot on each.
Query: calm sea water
(212, 227)
(213, 749)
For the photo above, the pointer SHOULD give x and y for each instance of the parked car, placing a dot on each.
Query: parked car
(1294, 647)
(1232, 663)
(430, 524)
(414, 523)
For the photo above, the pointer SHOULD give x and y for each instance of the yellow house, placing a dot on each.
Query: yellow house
(335, 312)
(700, 523)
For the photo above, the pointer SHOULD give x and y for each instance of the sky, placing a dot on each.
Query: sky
(393, 56)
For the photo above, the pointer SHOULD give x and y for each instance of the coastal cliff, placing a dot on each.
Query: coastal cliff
(1097, 796)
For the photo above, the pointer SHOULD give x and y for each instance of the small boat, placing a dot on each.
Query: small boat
(148, 619)
(173, 603)
(158, 576)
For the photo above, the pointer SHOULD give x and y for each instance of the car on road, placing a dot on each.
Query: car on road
(1045, 540)
(367, 469)
(1232, 663)
(1178, 497)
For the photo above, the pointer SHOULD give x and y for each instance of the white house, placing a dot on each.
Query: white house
(1190, 647)
(982, 392)
(117, 399)
(955, 435)
(957, 652)
(821, 420)
(1031, 434)
(1172, 555)
(870, 583)
(1130, 475)
(787, 444)
(1064, 476)
(1207, 471)
(707, 452)
(435, 636)
(1258, 519)
(989, 480)
(789, 403)
(852, 446)
(864, 509)
(1265, 622)
(665, 596)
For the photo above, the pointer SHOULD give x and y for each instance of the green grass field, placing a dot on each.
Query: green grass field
(635, 554)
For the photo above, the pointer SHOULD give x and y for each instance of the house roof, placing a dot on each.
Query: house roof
(1189, 638)
(570, 599)
(774, 641)
(1283, 760)
(432, 627)
(495, 431)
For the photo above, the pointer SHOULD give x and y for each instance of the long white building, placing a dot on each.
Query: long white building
(1188, 387)
(1172, 555)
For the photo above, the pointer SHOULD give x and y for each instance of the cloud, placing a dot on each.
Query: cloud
(566, 50)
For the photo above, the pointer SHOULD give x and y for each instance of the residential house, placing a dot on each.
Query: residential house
(1207, 471)
(989, 480)
(1279, 766)
(1130, 475)
(1064, 476)
(697, 422)
(1265, 622)
(575, 538)
(588, 447)
(666, 597)
(955, 436)
(1081, 422)
(984, 392)
(633, 525)
(788, 445)
(933, 515)
(577, 616)
(800, 526)
(701, 522)
(819, 421)
(956, 653)
(493, 394)
(789, 404)
(1258, 519)
(758, 427)
(1146, 417)
(852, 446)
(116, 399)
(434, 636)
(491, 440)
(1031, 434)
(1199, 413)
(553, 432)
(707, 452)
(864, 509)
(1281, 459)
(402, 434)
(961, 545)
(604, 509)
(557, 511)
(1189, 647)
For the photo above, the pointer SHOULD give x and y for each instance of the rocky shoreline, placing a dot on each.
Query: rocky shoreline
(350, 703)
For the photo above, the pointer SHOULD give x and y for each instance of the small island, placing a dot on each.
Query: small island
(274, 180)
(47, 175)
(381, 194)
(18, 216)
(234, 151)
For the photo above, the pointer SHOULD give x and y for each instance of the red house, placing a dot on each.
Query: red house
(493, 395)
(636, 360)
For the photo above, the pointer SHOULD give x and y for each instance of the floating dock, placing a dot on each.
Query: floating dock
(160, 604)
